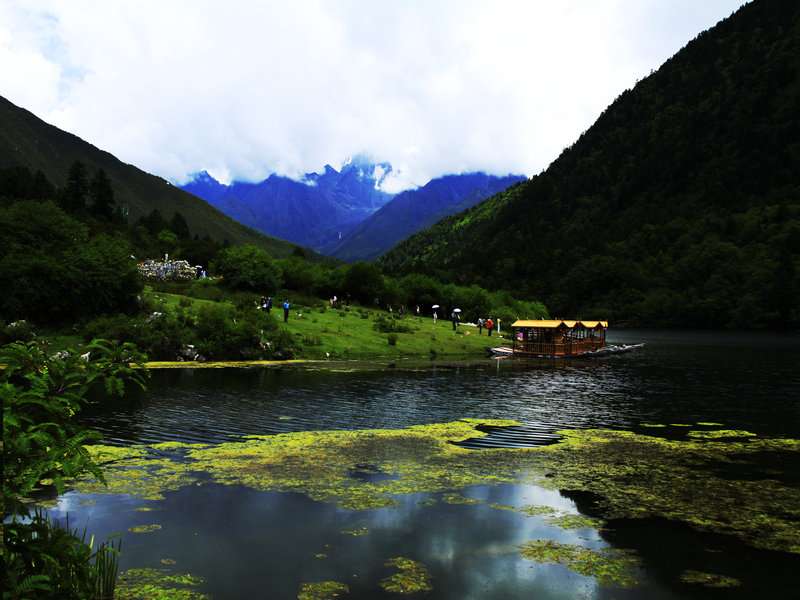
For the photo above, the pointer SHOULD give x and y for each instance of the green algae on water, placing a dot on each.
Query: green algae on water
(552, 518)
(453, 498)
(571, 521)
(709, 580)
(157, 584)
(720, 433)
(144, 528)
(322, 590)
(529, 510)
(610, 567)
(413, 577)
(705, 482)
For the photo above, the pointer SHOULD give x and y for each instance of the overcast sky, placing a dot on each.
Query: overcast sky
(244, 89)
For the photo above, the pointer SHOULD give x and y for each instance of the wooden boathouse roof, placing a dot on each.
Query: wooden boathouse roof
(555, 323)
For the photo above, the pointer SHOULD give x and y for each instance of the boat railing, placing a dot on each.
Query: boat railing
(563, 348)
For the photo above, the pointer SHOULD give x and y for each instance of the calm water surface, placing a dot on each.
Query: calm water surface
(249, 544)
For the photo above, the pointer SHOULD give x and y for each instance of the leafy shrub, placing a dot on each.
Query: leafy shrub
(18, 331)
(44, 560)
(248, 268)
(311, 340)
(390, 325)
(40, 396)
(392, 339)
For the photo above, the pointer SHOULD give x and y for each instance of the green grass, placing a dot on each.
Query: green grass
(347, 334)
(320, 332)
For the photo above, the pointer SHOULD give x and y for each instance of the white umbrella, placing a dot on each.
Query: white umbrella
(456, 310)
(435, 306)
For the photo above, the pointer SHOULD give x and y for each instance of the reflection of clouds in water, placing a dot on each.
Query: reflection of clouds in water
(473, 548)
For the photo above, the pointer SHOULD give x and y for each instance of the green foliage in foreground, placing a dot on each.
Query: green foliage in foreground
(43, 446)
(40, 396)
(44, 560)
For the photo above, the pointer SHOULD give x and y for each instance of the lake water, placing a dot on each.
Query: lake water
(255, 544)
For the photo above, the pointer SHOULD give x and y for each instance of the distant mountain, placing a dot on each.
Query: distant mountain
(312, 213)
(679, 207)
(27, 141)
(414, 210)
(345, 214)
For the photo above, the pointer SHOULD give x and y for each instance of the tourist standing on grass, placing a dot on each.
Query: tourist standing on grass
(286, 311)
(480, 325)
(489, 325)
(454, 317)
(435, 316)
(269, 304)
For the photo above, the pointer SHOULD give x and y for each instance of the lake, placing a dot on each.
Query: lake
(252, 541)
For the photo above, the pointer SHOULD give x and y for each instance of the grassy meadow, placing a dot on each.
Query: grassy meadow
(359, 333)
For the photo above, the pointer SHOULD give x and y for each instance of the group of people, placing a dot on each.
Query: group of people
(489, 324)
(266, 304)
(336, 302)
(402, 311)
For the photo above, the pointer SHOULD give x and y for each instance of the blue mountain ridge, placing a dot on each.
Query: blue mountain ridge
(344, 213)
(412, 211)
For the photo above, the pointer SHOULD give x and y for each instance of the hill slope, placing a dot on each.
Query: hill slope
(414, 210)
(26, 140)
(679, 207)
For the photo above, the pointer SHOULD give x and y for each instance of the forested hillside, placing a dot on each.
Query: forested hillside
(27, 141)
(413, 210)
(679, 207)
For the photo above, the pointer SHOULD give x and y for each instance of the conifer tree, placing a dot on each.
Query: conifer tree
(74, 194)
(102, 195)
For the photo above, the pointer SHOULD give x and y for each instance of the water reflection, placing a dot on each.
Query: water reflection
(741, 381)
(249, 544)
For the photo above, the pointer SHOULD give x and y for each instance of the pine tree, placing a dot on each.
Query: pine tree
(73, 196)
(102, 195)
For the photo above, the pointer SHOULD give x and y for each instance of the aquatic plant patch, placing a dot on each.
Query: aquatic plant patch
(704, 481)
(412, 577)
(144, 528)
(453, 498)
(709, 580)
(571, 521)
(157, 584)
(322, 590)
(610, 567)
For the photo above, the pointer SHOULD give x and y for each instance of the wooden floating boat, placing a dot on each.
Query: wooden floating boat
(549, 338)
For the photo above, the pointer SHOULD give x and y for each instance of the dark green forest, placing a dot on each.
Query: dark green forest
(679, 207)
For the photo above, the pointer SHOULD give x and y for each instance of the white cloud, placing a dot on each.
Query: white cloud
(244, 89)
